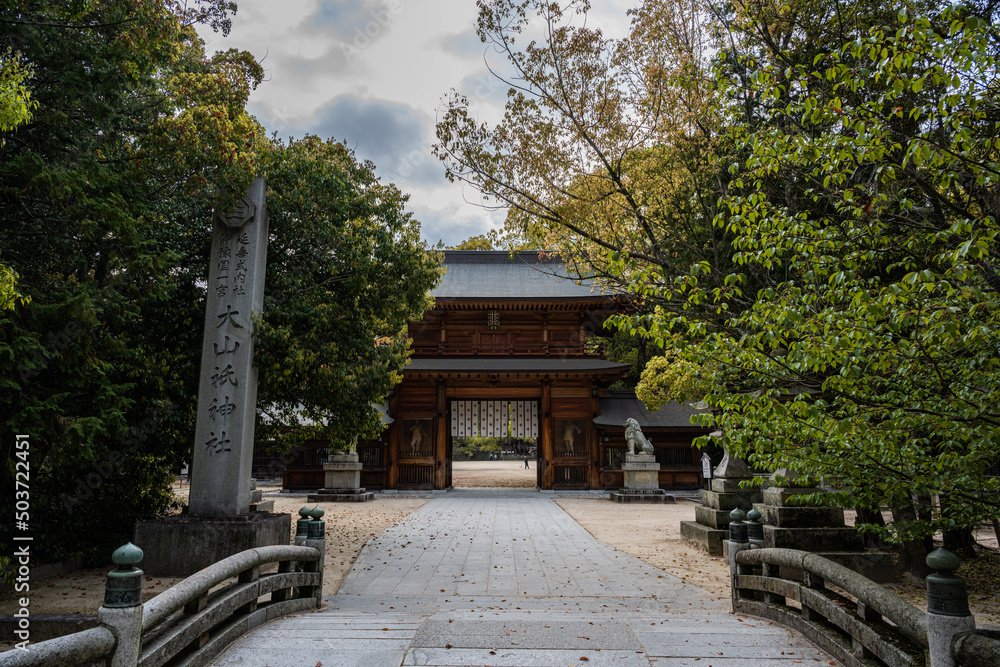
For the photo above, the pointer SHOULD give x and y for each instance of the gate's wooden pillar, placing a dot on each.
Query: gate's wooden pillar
(448, 456)
(441, 434)
(546, 450)
(593, 437)
(392, 446)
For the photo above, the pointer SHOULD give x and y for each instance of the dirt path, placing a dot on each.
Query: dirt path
(494, 474)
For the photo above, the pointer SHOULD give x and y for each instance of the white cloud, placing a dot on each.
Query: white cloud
(455, 222)
(372, 73)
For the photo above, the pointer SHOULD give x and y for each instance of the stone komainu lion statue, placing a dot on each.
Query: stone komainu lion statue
(635, 438)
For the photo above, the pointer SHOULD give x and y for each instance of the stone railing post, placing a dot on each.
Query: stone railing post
(947, 607)
(302, 526)
(316, 538)
(301, 535)
(755, 530)
(122, 609)
(738, 541)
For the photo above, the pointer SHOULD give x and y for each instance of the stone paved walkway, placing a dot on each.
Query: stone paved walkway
(505, 577)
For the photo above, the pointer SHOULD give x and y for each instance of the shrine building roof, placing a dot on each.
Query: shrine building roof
(618, 407)
(497, 275)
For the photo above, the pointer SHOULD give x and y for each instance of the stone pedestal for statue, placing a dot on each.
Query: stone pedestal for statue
(342, 481)
(818, 529)
(219, 522)
(642, 481)
(710, 529)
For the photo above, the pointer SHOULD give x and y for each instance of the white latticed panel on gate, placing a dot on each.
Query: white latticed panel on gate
(491, 419)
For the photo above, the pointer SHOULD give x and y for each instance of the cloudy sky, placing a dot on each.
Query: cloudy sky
(372, 73)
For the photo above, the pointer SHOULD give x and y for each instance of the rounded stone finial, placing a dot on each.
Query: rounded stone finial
(946, 592)
(304, 512)
(755, 529)
(737, 515)
(126, 555)
(943, 560)
(317, 513)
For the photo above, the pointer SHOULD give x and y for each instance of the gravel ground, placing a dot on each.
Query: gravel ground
(493, 474)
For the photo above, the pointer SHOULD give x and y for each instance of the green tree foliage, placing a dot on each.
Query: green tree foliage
(609, 150)
(15, 109)
(495, 240)
(809, 222)
(8, 289)
(134, 128)
(106, 198)
(488, 241)
(346, 272)
(672, 376)
(15, 93)
(475, 446)
(874, 362)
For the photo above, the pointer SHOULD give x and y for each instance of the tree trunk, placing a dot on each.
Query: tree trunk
(872, 517)
(912, 554)
(959, 541)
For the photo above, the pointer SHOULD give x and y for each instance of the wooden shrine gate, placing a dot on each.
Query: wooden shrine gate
(556, 415)
(508, 342)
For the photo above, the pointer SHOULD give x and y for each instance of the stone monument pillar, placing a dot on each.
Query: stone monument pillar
(219, 522)
(227, 391)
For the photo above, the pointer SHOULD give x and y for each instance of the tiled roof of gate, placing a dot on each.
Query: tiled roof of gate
(615, 409)
(489, 274)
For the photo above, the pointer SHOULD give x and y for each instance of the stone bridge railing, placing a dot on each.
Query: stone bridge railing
(191, 622)
(853, 618)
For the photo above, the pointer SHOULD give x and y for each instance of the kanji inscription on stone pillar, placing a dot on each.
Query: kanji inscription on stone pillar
(227, 389)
